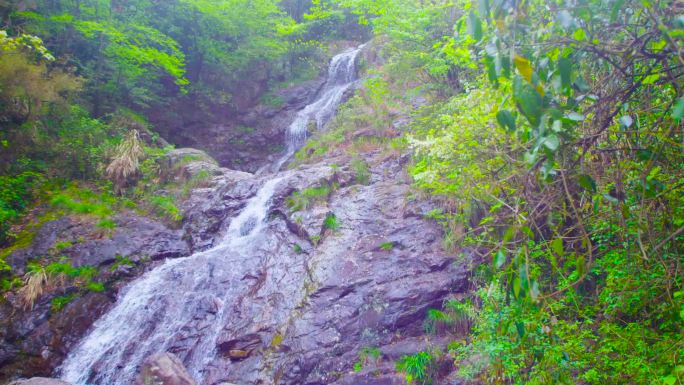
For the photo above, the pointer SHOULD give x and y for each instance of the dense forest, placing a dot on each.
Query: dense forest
(547, 136)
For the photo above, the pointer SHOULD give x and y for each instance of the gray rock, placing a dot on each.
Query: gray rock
(164, 369)
(39, 381)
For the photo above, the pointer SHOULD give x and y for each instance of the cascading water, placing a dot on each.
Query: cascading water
(155, 311)
(341, 76)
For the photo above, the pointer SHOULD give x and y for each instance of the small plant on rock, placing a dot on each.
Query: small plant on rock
(416, 367)
(367, 355)
(331, 222)
(363, 175)
(297, 249)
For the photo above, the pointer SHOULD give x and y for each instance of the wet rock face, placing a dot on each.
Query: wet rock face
(305, 307)
(134, 237)
(164, 369)
(34, 341)
(255, 136)
(39, 381)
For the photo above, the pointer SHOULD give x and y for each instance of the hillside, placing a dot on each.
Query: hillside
(341, 192)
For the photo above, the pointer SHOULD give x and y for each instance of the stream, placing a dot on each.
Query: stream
(188, 301)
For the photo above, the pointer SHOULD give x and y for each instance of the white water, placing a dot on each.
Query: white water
(341, 76)
(166, 300)
(166, 305)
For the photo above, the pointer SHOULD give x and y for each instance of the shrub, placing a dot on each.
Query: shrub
(16, 193)
(417, 367)
(331, 222)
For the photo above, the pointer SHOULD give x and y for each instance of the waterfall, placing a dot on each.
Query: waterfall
(189, 299)
(153, 311)
(341, 76)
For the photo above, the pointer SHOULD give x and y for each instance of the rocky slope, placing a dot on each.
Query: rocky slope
(351, 270)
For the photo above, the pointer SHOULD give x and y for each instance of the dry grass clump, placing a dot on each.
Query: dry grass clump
(35, 283)
(126, 162)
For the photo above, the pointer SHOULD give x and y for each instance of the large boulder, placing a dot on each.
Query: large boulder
(164, 369)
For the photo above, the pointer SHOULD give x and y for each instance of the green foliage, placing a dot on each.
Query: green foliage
(331, 222)
(26, 84)
(387, 246)
(16, 193)
(59, 302)
(106, 224)
(367, 356)
(121, 261)
(271, 100)
(84, 273)
(417, 367)
(563, 158)
(96, 287)
(456, 318)
(165, 207)
(61, 245)
(302, 200)
(84, 201)
(361, 171)
(297, 249)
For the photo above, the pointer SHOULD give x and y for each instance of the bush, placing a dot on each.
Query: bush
(417, 367)
(331, 222)
(16, 194)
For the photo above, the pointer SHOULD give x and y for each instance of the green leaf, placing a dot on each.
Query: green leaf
(529, 101)
(580, 265)
(582, 85)
(557, 246)
(650, 79)
(587, 182)
(527, 231)
(565, 69)
(552, 142)
(524, 66)
(475, 26)
(484, 7)
(500, 259)
(678, 111)
(506, 120)
(670, 380)
(579, 34)
(520, 326)
(575, 116)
